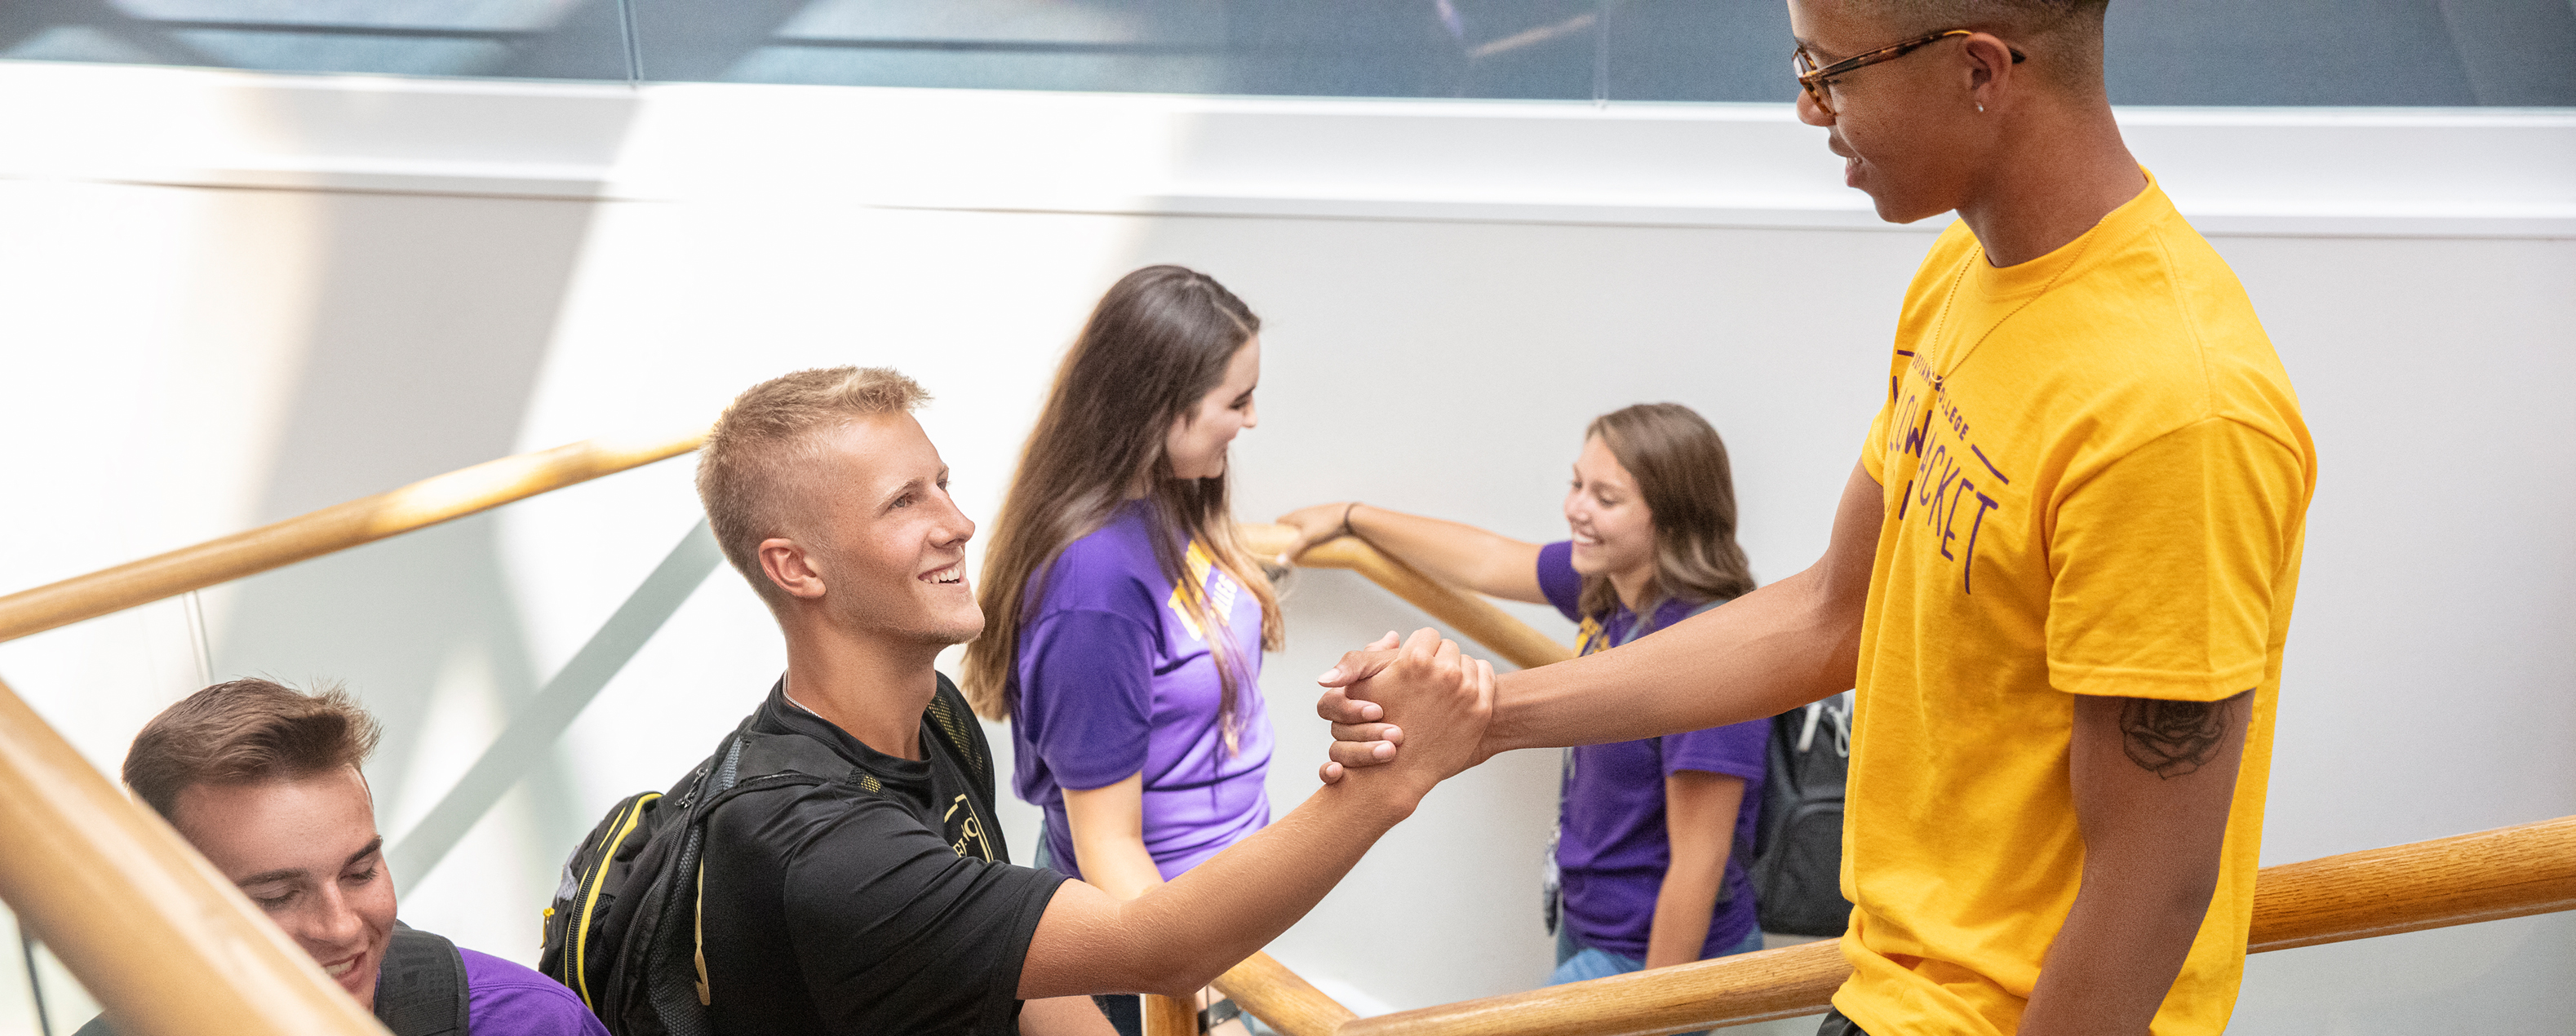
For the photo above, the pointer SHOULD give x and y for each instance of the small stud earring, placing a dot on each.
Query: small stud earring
(1981, 109)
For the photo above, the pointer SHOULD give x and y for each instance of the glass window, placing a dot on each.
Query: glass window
(2194, 52)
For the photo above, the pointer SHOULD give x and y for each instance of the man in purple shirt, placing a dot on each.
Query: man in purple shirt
(264, 781)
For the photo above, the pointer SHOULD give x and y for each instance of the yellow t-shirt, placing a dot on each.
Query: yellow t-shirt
(2097, 481)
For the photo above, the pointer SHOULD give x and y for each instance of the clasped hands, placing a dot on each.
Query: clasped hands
(1422, 696)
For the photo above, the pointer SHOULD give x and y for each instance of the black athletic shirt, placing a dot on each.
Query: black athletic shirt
(843, 909)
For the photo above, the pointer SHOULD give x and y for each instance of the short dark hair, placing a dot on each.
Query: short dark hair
(2065, 34)
(242, 731)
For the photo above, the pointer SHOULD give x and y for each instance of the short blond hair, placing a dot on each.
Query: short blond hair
(749, 466)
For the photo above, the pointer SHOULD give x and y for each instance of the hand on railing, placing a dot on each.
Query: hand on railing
(1465, 613)
(1313, 525)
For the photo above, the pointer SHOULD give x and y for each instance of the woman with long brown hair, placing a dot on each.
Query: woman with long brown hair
(1123, 622)
(1650, 834)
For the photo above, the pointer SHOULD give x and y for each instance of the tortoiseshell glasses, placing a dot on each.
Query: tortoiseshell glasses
(1812, 79)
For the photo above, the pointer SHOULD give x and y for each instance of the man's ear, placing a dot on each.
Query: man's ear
(1990, 75)
(791, 567)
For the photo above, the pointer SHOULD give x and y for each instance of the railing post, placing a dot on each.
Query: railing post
(1170, 1015)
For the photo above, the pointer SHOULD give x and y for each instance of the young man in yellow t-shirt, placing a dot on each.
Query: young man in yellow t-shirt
(2060, 576)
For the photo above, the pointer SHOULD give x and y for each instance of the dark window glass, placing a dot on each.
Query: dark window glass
(524, 39)
(2196, 52)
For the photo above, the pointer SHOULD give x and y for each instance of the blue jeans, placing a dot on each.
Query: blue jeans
(1576, 962)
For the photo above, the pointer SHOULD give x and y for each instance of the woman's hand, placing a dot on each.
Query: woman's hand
(1318, 524)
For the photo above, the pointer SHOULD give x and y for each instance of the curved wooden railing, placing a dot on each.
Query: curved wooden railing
(2509, 872)
(338, 527)
(145, 923)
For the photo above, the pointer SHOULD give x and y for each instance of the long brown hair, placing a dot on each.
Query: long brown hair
(1159, 341)
(1682, 475)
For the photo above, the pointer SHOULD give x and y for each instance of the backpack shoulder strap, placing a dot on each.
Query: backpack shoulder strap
(421, 989)
(954, 721)
(763, 759)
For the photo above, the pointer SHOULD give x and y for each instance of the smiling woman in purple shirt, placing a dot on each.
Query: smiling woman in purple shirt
(1123, 623)
(1651, 835)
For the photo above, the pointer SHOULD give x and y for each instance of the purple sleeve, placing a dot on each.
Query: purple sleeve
(506, 999)
(1734, 750)
(1558, 579)
(1087, 695)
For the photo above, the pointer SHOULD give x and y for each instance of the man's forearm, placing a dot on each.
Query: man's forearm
(1772, 650)
(1180, 935)
(2112, 962)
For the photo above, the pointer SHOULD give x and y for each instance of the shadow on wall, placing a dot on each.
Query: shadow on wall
(432, 321)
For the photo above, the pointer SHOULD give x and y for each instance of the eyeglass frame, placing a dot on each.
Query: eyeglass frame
(1812, 80)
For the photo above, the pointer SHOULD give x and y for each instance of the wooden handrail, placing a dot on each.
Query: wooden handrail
(2486, 876)
(338, 527)
(1288, 1003)
(1470, 615)
(149, 926)
(1751, 987)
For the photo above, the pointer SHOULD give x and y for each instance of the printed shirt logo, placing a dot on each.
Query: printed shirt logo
(1950, 482)
(1204, 575)
(970, 842)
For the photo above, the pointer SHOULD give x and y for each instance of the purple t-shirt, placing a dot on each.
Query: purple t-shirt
(1611, 847)
(1113, 678)
(505, 999)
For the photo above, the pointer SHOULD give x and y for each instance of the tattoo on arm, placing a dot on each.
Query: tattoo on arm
(2173, 738)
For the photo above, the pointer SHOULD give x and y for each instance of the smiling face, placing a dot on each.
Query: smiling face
(1198, 439)
(888, 544)
(1614, 532)
(1907, 129)
(306, 851)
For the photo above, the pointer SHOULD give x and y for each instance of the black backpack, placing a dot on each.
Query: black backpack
(623, 930)
(1798, 849)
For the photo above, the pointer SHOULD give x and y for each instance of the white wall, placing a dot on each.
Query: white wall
(227, 299)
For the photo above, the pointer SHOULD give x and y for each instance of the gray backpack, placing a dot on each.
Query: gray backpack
(1798, 845)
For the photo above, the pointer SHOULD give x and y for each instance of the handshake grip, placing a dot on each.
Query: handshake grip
(1419, 708)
